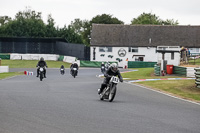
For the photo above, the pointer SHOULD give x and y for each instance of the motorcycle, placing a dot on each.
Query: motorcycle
(102, 69)
(109, 92)
(62, 71)
(74, 72)
(41, 73)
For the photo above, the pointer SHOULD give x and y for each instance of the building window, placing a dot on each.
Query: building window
(105, 49)
(197, 50)
(162, 48)
(133, 49)
(139, 58)
(172, 56)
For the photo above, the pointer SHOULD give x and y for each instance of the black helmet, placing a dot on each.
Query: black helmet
(114, 67)
(41, 59)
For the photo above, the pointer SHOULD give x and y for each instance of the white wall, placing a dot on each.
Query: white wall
(149, 55)
(168, 56)
(4, 69)
(16, 56)
(175, 61)
(69, 59)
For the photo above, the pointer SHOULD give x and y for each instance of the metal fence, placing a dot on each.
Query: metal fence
(43, 46)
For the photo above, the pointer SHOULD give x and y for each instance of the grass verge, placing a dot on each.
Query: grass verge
(143, 73)
(32, 63)
(185, 89)
(10, 74)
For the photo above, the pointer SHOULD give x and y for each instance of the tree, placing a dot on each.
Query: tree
(106, 19)
(26, 24)
(170, 22)
(51, 31)
(4, 20)
(99, 19)
(149, 18)
(73, 32)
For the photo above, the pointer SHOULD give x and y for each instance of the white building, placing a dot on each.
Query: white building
(113, 42)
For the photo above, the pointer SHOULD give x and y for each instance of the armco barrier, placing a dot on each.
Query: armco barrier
(140, 64)
(92, 63)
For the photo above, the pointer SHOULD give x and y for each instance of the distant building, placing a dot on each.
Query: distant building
(115, 42)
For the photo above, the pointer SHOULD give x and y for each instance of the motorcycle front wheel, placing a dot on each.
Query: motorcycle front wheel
(112, 93)
(41, 77)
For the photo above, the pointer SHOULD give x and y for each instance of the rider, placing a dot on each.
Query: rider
(112, 71)
(74, 65)
(43, 64)
(62, 67)
(102, 64)
(103, 67)
(107, 65)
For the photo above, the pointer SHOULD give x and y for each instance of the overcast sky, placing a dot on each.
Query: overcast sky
(64, 11)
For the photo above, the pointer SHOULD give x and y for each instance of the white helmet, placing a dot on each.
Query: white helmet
(114, 67)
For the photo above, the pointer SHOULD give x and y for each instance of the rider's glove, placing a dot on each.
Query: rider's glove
(121, 80)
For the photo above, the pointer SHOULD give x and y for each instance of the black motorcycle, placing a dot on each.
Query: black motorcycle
(74, 72)
(62, 71)
(109, 92)
(41, 73)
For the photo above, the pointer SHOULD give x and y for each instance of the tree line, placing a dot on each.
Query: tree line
(29, 23)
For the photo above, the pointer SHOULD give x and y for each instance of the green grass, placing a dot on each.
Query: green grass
(32, 63)
(182, 88)
(10, 74)
(194, 62)
(143, 73)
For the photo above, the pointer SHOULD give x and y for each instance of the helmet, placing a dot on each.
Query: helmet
(114, 67)
(75, 62)
(41, 59)
(102, 62)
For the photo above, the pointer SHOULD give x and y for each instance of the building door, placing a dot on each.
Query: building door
(141, 58)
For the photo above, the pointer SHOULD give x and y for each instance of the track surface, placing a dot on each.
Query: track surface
(62, 104)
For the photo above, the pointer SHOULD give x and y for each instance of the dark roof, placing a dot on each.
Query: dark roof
(26, 39)
(117, 35)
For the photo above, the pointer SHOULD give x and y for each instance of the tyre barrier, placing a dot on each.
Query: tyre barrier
(197, 75)
(28, 73)
(156, 70)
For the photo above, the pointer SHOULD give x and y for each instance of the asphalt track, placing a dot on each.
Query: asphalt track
(62, 104)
